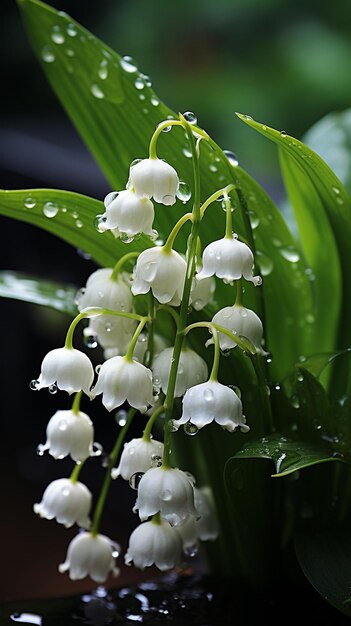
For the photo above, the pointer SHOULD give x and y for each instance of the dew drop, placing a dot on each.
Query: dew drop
(70, 52)
(128, 64)
(33, 385)
(47, 54)
(212, 167)
(52, 388)
(336, 190)
(184, 192)
(191, 551)
(121, 417)
(283, 133)
(71, 30)
(254, 219)
(294, 400)
(139, 83)
(103, 70)
(190, 117)
(155, 102)
(166, 129)
(97, 449)
(156, 460)
(97, 91)
(40, 450)
(146, 79)
(80, 293)
(265, 264)
(166, 495)
(190, 429)
(290, 254)
(172, 426)
(90, 341)
(50, 209)
(187, 152)
(141, 96)
(99, 222)
(57, 35)
(247, 117)
(208, 395)
(232, 158)
(135, 480)
(29, 203)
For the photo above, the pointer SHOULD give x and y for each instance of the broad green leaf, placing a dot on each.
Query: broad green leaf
(70, 216)
(116, 111)
(330, 137)
(38, 291)
(325, 559)
(287, 455)
(323, 212)
(316, 363)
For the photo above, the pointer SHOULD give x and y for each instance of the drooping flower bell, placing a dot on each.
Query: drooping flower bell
(242, 322)
(67, 368)
(129, 214)
(192, 370)
(154, 543)
(122, 380)
(103, 290)
(228, 259)
(205, 528)
(66, 501)
(90, 555)
(138, 455)
(213, 401)
(69, 433)
(163, 271)
(154, 178)
(167, 491)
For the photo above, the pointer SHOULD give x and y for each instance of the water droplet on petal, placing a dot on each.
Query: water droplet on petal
(52, 388)
(40, 450)
(128, 64)
(190, 429)
(33, 385)
(208, 395)
(121, 417)
(99, 222)
(190, 117)
(232, 158)
(50, 209)
(172, 426)
(166, 495)
(135, 480)
(47, 54)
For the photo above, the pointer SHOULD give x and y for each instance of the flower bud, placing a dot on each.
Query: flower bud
(154, 178)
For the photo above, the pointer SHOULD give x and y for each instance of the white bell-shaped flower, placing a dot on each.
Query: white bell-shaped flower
(102, 290)
(138, 455)
(202, 290)
(192, 370)
(163, 271)
(242, 322)
(228, 259)
(90, 555)
(154, 178)
(70, 369)
(69, 433)
(205, 527)
(169, 492)
(121, 380)
(66, 501)
(154, 543)
(129, 214)
(213, 401)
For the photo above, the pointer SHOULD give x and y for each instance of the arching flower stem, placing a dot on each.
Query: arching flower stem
(160, 128)
(129, 354)
(239, 293)
(76, 403)
(175, 230)
(228, 216)
(244, 345)
(122, 261)
(151, 421)
(76, 471)
(107, 480)
(95, 312)
(217, 194)
(216, 357)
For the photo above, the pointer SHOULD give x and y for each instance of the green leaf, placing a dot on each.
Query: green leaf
(323, 212)
(70, 216)
(31, 289)
(287, 455)
(325, 559)
(330, 137)
(116, 121)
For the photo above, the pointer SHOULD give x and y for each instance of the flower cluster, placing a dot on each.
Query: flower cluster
(145, 371)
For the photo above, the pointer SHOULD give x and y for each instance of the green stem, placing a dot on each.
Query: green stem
(183, 313)
(158, 131)
(117, 268)
(239, 293)
(156, 519)
(76, 403)
(149, 354)
(214, 197)
(107, 480)
(151, 421)
(216, 357)
(175, 230)
(228, 217)
(129, 354)
(212, 326)
(170, 311)
(76, 471)
(94, 311)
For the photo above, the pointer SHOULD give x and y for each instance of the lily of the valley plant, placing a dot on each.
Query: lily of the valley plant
(214, 336)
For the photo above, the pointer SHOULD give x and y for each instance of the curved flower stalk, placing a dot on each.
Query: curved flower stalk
(154, 178)
(154, 543)
(90, 555)
(69, 433)
(167, 491)
(66, 501)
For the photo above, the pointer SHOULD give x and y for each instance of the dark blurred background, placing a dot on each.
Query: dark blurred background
(285, 62)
